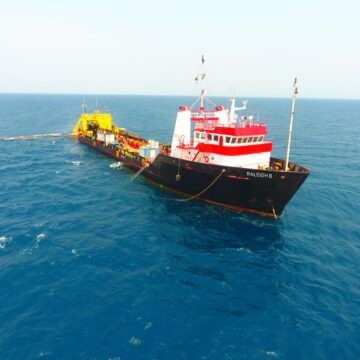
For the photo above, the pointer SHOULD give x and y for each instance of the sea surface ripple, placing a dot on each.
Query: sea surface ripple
(93, 266)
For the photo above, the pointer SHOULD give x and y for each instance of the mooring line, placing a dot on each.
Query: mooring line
(206, 189)
(275, 216)
(139, 172)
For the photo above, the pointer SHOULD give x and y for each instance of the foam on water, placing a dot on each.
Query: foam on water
(135, 341)
(45, 354)
(148, 326)
(76, 163)
(271, 353)
(116, 165)
(4, 241)
(39, 238)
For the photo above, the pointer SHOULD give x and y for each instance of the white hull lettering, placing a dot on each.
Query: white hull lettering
(259, 174)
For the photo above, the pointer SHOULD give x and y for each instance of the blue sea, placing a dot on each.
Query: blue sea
(94, 266)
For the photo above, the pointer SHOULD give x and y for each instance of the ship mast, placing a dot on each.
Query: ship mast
(291, 124)
(84, 107)
(201, 76)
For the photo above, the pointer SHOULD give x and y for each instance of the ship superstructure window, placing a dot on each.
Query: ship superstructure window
(239, 140)
(202, 136)
(209, 136)
(197, 135)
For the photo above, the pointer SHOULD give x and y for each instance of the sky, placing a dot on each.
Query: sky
(154, 47)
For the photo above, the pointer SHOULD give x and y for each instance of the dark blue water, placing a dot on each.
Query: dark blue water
(93, 266)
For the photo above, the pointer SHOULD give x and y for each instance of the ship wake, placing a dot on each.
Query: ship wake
(34, 137)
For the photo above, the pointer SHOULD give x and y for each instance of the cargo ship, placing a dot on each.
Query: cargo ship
(216, 155)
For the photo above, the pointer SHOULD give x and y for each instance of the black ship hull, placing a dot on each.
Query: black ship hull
(264, 192)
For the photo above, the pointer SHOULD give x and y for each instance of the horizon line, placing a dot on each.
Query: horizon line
(171, 95)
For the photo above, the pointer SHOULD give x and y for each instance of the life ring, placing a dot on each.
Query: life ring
(206, 159)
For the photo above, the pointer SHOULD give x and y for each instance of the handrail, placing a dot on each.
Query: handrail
(205, 118)
(188, 146)
(212, 126)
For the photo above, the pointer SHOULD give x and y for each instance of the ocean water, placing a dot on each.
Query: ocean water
(93, 266)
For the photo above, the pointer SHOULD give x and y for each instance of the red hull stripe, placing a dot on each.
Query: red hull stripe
(236, 150)
(246, 131)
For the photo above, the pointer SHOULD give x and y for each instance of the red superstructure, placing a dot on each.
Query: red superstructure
(221, 137)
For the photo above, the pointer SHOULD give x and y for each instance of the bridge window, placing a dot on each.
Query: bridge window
(251, 139)
(216, 137)
(197, 135)
(239, 140)
(202, 136)
(209, 136)
(233, 140)
(227, 139)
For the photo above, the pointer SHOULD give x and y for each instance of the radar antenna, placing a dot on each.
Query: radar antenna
(233, 108)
